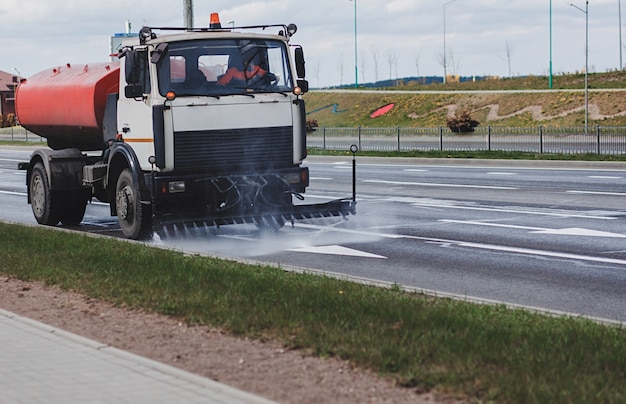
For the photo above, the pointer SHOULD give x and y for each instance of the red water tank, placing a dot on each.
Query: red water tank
(66, 104)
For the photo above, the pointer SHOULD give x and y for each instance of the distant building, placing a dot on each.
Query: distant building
(8, 84)
(117, 40)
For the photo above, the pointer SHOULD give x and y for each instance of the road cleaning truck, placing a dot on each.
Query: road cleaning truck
(201, 126)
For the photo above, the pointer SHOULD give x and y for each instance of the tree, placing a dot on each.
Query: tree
(315, 73)
(340, 69)
(446, 60)
(363, 67)
(392, 60)
(507, 55)
(417, 64)
(375, 59)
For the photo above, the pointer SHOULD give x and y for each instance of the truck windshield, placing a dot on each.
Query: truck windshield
(224, 67)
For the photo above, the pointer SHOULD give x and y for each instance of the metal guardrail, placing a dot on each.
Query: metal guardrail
(568, 140)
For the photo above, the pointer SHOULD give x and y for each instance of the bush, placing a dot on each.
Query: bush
(1, 121)
(311, 125)
(11, 121)
(463, 123)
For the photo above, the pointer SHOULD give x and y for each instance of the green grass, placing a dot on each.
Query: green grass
(476, 352)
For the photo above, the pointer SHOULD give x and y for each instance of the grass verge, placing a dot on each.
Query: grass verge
(472, 351)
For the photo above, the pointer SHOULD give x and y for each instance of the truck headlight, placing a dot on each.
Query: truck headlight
(293, 178)
(176, 187)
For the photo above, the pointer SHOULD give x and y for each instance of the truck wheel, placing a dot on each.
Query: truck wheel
(74, 206)
(134, 217)
(45, 211)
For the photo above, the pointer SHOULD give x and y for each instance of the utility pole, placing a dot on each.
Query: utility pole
(188, 13)
(356, 69)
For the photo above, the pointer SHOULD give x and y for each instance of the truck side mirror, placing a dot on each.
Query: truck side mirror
(299, 54)
(133, 91)
(304, 86)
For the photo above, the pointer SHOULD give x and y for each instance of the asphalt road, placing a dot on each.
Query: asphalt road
(547, 237)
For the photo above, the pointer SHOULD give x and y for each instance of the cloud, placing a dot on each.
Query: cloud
(38, 34)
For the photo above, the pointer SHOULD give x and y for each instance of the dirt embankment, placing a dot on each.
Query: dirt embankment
(560, 108)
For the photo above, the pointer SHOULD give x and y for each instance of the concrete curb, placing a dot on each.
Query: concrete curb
(556, 164)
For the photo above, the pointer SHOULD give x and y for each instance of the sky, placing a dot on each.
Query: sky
(396, 38)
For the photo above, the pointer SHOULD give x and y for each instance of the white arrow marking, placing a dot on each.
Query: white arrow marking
(336, 250)
(572, 231)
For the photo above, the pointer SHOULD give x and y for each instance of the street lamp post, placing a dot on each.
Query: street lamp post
(550, 80)
(619, 11)
(356, 68)
(586, 11)
(445, 56)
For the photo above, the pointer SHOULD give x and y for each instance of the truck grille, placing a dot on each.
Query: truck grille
(233, 151)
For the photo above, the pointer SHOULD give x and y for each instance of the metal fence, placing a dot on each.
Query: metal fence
(568, 140)
(596, 139)
(18, 133)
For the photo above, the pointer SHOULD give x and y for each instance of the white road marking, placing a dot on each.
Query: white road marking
(497, 173)
(336, 250)
(492, 247)
(415, 170)
(349, 231)
(321, 178)
(443, 205)
(542, 253)
(576, 231)
(596, 193)
(13, 193)
(604, 177)
(432, 184)
(572, 231)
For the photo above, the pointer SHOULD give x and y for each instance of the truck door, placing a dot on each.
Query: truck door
(135, 112)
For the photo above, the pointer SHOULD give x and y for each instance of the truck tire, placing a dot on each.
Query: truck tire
(135, 219)
(45, 210)
(74, 206)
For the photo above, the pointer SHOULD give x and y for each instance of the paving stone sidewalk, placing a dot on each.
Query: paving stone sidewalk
(43, 364)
